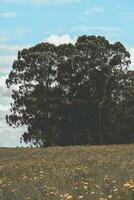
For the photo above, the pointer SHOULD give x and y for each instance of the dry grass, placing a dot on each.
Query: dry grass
(70, 173)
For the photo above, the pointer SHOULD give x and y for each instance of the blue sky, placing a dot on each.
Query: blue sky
(24, 23)
(27, 22)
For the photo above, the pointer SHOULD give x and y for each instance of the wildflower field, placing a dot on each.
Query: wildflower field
(67, 173)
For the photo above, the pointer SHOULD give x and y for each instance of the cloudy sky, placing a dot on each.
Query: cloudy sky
(25, 23)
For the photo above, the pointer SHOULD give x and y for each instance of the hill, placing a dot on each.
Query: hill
(67, 173)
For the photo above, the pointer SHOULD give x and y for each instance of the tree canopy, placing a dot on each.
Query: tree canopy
(73, 94)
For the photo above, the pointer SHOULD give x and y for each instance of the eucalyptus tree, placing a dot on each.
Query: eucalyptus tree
(94, 78)
(69, 94)
(34, 74)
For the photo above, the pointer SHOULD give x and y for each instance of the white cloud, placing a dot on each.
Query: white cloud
(8, 14)
(4, 91)
(57, 40)
(5, 100)
(5, 70)
(5, 95)
(4, 108)
(94, 10)
(10, 137)
(2, 80)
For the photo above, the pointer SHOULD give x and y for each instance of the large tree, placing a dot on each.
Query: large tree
(34, 73)
(69, 94)
(94, 78)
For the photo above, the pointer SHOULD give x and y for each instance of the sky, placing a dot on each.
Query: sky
(24, 23)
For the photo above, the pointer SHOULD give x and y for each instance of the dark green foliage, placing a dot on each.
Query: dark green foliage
(73, 94)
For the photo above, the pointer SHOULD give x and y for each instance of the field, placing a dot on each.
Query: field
(69, 173)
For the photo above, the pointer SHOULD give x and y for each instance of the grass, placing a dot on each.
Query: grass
(69, 173)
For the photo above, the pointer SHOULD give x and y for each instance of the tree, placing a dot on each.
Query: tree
(34, 74)
(69, 94)
(94, 77)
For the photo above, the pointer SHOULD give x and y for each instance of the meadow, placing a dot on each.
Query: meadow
(67, 173)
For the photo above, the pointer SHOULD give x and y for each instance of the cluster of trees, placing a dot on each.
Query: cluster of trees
(73, 94)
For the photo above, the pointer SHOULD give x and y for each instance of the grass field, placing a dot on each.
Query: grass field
(70, 173)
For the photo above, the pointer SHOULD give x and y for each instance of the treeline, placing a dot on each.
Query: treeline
(73, 94)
